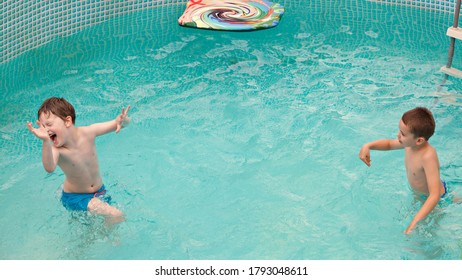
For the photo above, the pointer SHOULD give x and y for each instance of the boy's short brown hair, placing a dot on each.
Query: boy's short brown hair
(420, 122)
(59, 107)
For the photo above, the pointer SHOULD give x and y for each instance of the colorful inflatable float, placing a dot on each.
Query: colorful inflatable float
(233, 15)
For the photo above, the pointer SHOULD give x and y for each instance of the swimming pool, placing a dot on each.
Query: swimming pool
(242, 145)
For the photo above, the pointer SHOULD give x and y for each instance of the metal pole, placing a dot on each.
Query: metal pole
(453, 40)
(456, 14)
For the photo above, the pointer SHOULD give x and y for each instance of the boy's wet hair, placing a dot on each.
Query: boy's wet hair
(59, 107)
(420, 122)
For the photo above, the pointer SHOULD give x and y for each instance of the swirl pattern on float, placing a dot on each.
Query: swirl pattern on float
(231, 15)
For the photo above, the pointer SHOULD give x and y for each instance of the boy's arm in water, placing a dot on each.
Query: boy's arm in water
(431, 167)
(381, 145)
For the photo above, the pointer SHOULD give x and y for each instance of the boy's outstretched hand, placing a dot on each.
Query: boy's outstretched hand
(39, 132)
(122, 120)
(365, 155)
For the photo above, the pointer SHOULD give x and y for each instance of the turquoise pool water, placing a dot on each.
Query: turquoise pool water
(242, 145)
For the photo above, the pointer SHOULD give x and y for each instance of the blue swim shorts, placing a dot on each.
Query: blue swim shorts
(79, 201)
(445, 198)
(445, 190)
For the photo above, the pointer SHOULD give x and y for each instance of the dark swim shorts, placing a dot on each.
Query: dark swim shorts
(79, 201)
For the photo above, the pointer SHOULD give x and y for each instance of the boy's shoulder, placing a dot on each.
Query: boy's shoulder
(424, 149)
(428, 152)
(83, 131)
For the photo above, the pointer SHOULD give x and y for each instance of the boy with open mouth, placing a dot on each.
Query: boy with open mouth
(73, 149)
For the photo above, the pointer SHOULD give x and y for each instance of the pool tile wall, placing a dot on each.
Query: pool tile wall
(27, 24)
(440, 5)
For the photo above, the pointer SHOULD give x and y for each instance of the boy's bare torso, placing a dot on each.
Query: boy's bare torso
(79, 163)
(415, 171)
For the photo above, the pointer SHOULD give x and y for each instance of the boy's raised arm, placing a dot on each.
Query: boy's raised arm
(49, 155)
(381, 145)
(116, 125)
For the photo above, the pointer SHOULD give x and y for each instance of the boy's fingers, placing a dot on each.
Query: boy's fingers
(366, 160)
(31, 126)
(125, 111)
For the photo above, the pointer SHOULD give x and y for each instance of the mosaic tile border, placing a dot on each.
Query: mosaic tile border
(27, 24)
